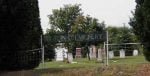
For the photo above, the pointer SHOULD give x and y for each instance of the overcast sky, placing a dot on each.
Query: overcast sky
(113, 12)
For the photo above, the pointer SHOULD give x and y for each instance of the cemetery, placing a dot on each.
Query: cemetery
(71, 42)
(61, 53)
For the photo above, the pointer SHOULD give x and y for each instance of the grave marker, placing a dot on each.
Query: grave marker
(111, 54)
(78, 52)
(122, 53)
(101, 55)
(135, 52)
(70, 58)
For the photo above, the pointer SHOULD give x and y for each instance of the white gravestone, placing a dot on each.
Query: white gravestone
(70, 58)
(135, 52)
(65, 52)
(58, 54)
(101, 54)
(122, 53)
(92, 51)
(111, 54)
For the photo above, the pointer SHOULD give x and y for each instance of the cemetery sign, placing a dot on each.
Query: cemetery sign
(81, 37)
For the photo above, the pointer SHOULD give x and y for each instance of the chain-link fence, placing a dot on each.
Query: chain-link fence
(14, 60)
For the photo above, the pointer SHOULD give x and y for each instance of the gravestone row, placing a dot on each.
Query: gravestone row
(61, 53)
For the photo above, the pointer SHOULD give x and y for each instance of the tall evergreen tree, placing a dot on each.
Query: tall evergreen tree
(20, 31)
(141, 24)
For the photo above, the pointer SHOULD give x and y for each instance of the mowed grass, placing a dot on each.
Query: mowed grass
(117, 67)
(128, 60)
(79, 63)
(129, 66)
(85, 63)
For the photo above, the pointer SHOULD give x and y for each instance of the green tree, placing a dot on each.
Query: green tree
(79, 25)
(140, 23)
(119, 35)
(49, 45)
(93, 26)
(70, 19)
(20, 31)
(88, 25)
(64, 18)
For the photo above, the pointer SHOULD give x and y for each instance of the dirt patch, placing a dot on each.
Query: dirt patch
(117, 70)
(143, 70)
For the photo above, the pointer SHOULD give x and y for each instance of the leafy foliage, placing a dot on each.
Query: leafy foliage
(49, 45)
(70, 20)
(140, 23)
(64, 18)
(20, 31)
(119, 35)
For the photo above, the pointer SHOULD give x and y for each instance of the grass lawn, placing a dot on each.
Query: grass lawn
(129, 66)
(128, 60)
(85, 63)
(117, 67)
(81, 63)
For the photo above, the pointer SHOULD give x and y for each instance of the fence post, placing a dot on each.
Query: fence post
(107, 48)
(42, 48)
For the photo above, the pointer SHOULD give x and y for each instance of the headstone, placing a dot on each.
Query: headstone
(78, 52)
(103, 53)
(70, 58)
(111, 54)
(58, 54)
(65, 50)
(122, 53)
(135, 52)
(100, 54)
(92, 51)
